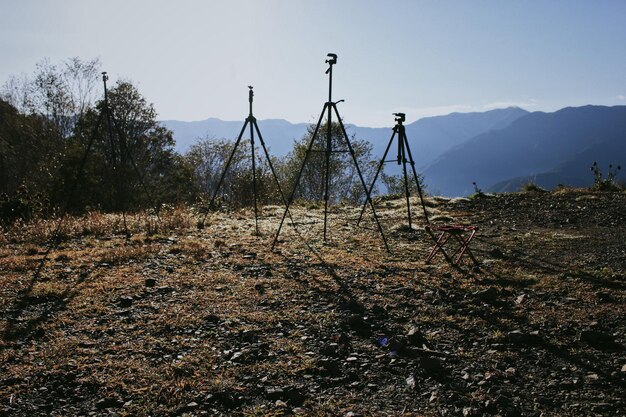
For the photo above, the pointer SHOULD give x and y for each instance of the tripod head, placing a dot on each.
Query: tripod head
(400, 117)
(250, 94)
(105, 78)
(331, 61)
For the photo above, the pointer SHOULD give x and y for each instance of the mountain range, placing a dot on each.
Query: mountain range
(500, 150)
(543, 148)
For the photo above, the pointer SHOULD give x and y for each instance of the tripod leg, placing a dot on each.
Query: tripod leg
(406, 178)
(269, 161)
(109, 124)
(79, 172)
(273, 171)
(117, 168)
(329, 145)
(380, 167)
(221, 180)
(254, 187)
(135, 168)
(358, 170)
(295, 185)
(419, 187)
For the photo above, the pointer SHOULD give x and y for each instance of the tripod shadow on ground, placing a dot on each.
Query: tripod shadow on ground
(44, 307)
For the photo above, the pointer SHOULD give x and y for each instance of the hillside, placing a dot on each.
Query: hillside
(546, 148)
(212, 322)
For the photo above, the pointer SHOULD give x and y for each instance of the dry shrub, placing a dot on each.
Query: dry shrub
(39, 231)
(100, 224)
(196, 249)
(97, 224)
(532, 187)
(175, 218)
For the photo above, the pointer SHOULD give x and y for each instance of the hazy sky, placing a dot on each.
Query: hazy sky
(194, 59)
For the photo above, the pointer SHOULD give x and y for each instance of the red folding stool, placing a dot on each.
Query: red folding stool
(441, 235)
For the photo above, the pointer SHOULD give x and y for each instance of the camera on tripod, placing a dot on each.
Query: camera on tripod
(332, 60)
(250, 94)
(400, 117)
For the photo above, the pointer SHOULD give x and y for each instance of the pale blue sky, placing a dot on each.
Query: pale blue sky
(194, 59)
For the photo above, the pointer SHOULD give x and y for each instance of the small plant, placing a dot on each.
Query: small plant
(478, 193)
(531, 187)
(601, 183)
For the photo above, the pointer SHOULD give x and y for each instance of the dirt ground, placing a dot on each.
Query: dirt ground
(181, 321)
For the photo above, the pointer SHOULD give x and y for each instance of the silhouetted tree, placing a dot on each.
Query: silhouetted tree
(60, 93)
(30, 150)
(394, 184)
(209, 156)
(133, 160)
(30, 153)
(344, 181)
(46, 124)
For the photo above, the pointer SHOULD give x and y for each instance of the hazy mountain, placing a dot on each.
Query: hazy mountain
(428, 137)
(431, 136)
(278, 134)
(548, 148)
(576, 170)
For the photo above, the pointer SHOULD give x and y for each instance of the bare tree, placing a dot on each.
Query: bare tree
(61, 94)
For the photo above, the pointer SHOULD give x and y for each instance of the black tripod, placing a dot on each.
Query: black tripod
(403, 151)
(251, 120)
(328, 108)
(119, 157)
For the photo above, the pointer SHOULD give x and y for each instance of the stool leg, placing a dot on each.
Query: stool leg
(464, 247)
(459, 251)
(439, 242)
(469, 251)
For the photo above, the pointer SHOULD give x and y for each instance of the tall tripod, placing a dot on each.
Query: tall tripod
(250, 120)
(403, 151)
(328, 109)
(120, 156)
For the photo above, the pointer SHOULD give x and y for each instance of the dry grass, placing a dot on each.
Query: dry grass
(99, 225)
(175, 315)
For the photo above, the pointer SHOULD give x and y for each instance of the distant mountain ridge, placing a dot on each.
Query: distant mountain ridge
(278, 134)
(428, 137)
(500, 149)
(544, 148)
